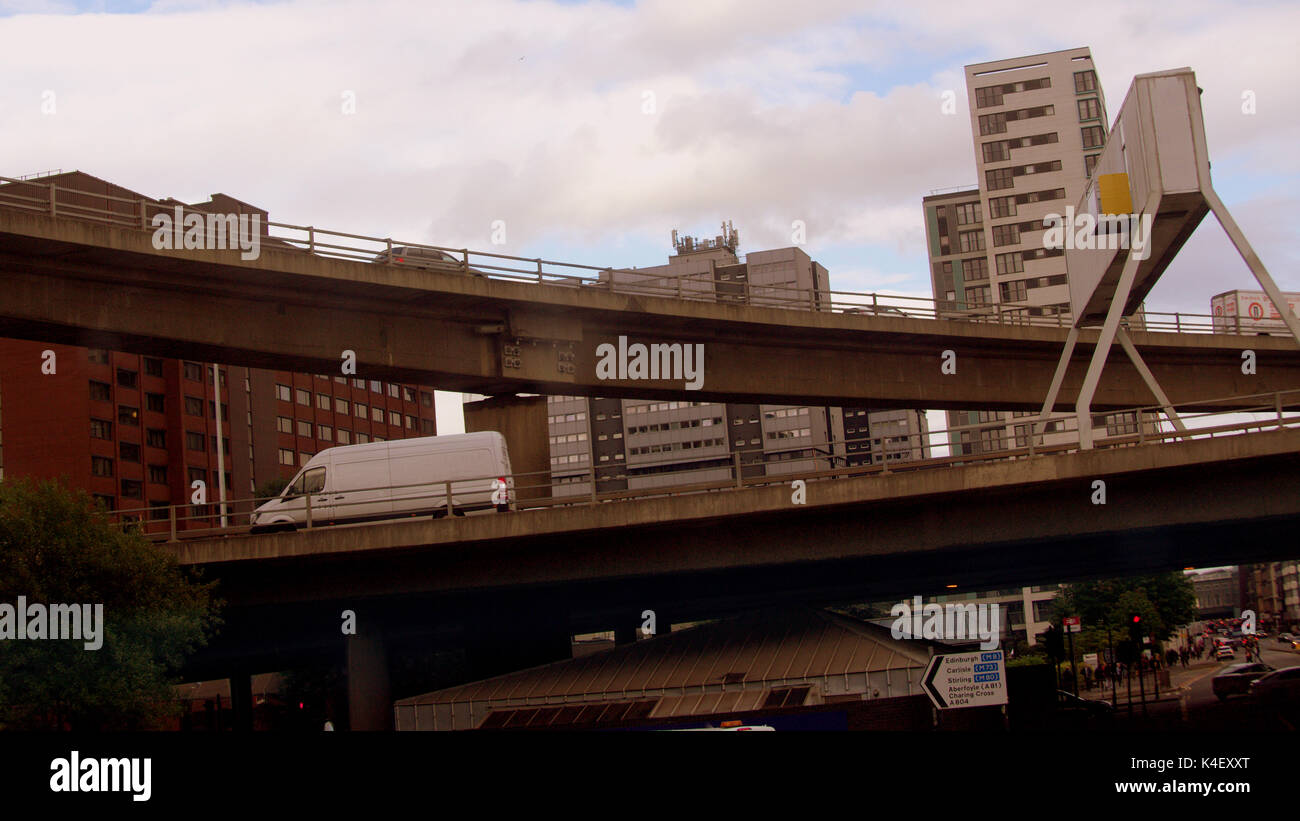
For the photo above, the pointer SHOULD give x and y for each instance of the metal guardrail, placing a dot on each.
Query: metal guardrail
(136, 214)
(1135, 427)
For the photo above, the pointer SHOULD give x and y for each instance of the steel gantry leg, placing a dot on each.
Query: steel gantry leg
(1150, 379)
(1253, 262)
(1057, 378)
(1083, 408)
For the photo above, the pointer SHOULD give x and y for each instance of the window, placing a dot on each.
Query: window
(304, 397)
(971, 241)
(342, 406)
(1093, 136)
(304, 428)
(158, 474)
(359, 383)
(1012, 263)
(345, 437)
(283, 393)
(194, 441)
(997, 151)
(1089, 109)
(194, 371)
(377, 414)
(99, 391)
(1090, 164)
(362, 438)
(427, 427)
(1119, 424)
(395, 418)
(1002, 207)
(1013, 291)
(1006, 234)
(129, 452)
(305, 456)
(322, 401)
(426, 399)
(193, 406)
(408, 394)
(375, 386)
(968, 214)
(127, 415)
(100, 466)
(990, 96)
(286, 456)
(393, 391)
(284, 424)
(132, 489)
(325, 433)
(1085, 81)
(978, 296)
(101, 429)
(361, 410)
(1000, 178)
(410, 422)
(992, 124)
(127, 379)
(156, 438)
(98, 356)
(975, 269)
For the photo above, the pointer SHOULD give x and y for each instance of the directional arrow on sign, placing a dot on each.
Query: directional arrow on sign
(966, 680)
(927, 683)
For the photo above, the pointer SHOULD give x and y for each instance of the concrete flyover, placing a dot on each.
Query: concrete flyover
(76, 282)
(1006, 523)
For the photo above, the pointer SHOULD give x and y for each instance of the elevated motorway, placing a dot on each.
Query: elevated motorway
(1224, 500)
(76, 281)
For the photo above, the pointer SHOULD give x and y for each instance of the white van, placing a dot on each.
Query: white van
(400, 478)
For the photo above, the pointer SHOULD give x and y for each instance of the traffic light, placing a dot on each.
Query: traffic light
(1054, 642)
(1135, 630)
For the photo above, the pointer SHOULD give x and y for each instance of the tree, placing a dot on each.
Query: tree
(266, 490)
(57, 547)
(1164, 601)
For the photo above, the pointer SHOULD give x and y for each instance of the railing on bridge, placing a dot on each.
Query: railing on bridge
(740, 469)
(136, 214)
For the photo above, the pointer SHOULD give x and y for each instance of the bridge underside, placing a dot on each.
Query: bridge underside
(72, 282)
(1162, 512)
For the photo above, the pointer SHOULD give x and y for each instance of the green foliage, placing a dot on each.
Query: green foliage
(1164, 601)
(266, 490)
(56, 546)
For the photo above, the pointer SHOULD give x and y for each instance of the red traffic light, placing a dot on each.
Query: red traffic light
(1137, 619)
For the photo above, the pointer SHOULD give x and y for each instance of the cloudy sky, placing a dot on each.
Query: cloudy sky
(592, 129)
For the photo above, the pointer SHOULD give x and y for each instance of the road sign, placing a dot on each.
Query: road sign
(966, 680)
(1090, 658)
(1072, 624)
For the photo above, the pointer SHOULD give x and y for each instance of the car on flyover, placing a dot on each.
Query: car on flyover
(429, 259)
(1235, 680)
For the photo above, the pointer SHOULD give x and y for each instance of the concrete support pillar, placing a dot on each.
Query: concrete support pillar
(370, 703)
(241, 702)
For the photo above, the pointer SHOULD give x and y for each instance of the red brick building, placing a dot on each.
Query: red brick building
(136, 430)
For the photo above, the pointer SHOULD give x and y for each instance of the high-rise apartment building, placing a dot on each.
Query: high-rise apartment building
(635, 444)
(1039, 124)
